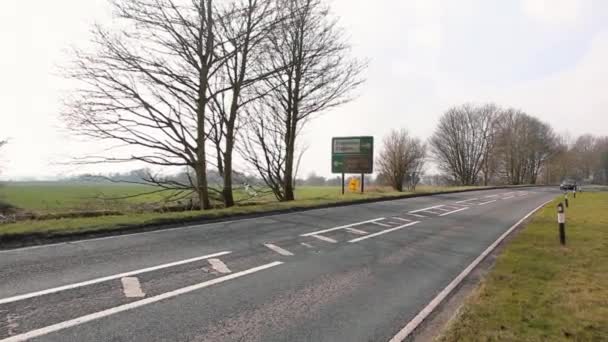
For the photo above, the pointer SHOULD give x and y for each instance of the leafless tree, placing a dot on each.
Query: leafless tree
(526, 144)
(317, 73)
(462, 141)
(146, 86)
(401, 156)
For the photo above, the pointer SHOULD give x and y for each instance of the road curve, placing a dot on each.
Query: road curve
(354, 273)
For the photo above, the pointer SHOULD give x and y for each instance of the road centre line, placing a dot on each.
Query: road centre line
(109, 312)
(219, 266)
(425, 209)
(455, 211)
(383, 232)
(324, 238)
(278, 249)
(488, 202)
(131, 287)
(112, 277)
(381, 224)
(342, 227)
(435, 302)
(356, 231)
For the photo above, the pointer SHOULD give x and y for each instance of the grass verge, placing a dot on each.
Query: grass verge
(308, 198)
(539, 291)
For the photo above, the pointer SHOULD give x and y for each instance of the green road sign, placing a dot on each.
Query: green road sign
(352, 155)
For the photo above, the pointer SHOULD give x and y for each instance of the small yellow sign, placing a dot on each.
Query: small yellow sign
(354, 184)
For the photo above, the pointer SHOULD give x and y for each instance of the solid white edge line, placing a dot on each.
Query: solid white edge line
(432, 305)
(383, 232)
(455, 211)
(112, 277)
(219, 266)
(342, 227)
(488, 202)
(278, 249)
(105, 313)
(324, 238)
(424, 209)
(467, 200)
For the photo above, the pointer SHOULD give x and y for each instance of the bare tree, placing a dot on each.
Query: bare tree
(317, 73)
(462, 141)
(147, 86)
(401, 157)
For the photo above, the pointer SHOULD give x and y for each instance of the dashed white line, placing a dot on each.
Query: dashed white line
(131, 287)
(380, 224)
(112, 277)
(488, 202)
(455, 211)
(109, 312)
(324, 238)
(383, 232)
(278, 249)
(342, 227)
(219, 266)
(357, 231)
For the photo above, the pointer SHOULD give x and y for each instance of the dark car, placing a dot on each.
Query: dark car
(568, 186)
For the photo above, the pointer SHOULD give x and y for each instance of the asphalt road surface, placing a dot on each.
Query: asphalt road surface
(354, 273)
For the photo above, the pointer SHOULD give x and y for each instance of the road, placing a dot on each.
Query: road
(353, 273)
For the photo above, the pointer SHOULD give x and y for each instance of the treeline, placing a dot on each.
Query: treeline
(490, 145)
(213, 87)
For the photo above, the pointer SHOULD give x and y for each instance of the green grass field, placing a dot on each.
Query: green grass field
(53, 198)
(539, 291)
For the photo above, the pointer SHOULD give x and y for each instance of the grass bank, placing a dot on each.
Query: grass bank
(306, 197)
(539, 291)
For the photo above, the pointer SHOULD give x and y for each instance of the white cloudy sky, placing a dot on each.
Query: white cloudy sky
(548, 57)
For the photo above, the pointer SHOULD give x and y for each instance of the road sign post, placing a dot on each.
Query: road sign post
(342, 183)
(353, 155)
(561, 221)
(566, 200)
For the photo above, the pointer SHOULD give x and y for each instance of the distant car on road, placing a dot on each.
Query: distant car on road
(568, 186)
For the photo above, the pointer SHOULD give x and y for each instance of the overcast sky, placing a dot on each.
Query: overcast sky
(547, 57)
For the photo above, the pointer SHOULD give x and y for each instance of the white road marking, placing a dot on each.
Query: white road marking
(467, 200)
(455, 211)
(433, 212)
(324, 238)
(402, 219)
(307, 245)
(278, 249)
(131, 287)
(357, 231)
(392, 223)
(416, 215)
(219, 266)
(342, 227)
(383, 232)
(380, 224)
(425, 209)
(432, 305)
(105, 313)
(488, 202)
(491, 196)
(509, 197)
(112, 277)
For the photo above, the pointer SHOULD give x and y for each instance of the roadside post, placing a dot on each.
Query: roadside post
(352, 155)
(566, 200)
(561, 220)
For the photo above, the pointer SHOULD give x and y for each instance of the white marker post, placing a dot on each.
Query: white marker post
(561, 220)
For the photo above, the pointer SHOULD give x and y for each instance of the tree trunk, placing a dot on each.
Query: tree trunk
(289, 159)
(227, 191)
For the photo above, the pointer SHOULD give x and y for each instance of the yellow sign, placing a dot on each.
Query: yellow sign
(354, 184)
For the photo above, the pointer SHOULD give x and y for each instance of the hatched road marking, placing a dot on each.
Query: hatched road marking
(383, 232)
(278, 249)
(324, 238)
(356, 231)
(131, 287)
(219, 266)
(455, 211)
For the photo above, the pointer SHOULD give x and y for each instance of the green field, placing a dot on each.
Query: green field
(62, 198)
(539, 291)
